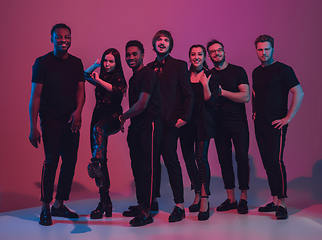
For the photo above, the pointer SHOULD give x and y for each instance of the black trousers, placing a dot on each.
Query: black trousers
(223, 140)
(168, 150)
(58, 140)
(271, 143)
(144, 144)
(102, 126)
(195, 155)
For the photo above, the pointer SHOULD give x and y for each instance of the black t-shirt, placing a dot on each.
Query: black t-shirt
(271, 85)
(60, 78)
(231, 114)
(145, 80)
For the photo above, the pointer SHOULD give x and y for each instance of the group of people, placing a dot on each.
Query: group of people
(167, 102)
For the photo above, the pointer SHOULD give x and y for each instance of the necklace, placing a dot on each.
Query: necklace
(195, 73)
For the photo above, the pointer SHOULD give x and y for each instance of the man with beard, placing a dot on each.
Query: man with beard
(231, 126)
(144, 132)
(58, 94)
(177, 105)
(272, 82)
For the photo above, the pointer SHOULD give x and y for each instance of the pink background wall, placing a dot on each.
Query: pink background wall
(98, 25)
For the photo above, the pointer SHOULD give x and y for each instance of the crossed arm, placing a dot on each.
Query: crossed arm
(242, 96)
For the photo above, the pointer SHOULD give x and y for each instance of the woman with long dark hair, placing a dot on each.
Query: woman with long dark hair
(110, 88)
(195, 135)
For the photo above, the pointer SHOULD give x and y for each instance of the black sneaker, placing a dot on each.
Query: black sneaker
(281, 213)
(63, 211)
(177, 214)
(242, 207)
(226, 205)
(270, 207)
(45, 217)
(141, 220)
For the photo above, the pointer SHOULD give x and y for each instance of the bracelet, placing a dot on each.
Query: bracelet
(120, 119)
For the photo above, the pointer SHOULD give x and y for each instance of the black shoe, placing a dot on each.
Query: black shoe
(177, 214)
(194, 207)
(63, 211)
(242, 207)
(94, 171)
(226, 205)
(202, 216)
(141, 220)
(155, 207)
(102, 208)
(132, 212)
(270, 207)
(281, 213)
(45, 217)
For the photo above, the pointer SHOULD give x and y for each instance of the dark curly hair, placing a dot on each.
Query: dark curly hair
(60, 25)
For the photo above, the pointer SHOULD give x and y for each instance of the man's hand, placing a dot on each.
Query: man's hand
(279, 123)
(180, 123)
(34, 137)
(76, 120)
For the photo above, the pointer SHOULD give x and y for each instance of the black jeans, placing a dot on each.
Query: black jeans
(144, 144)
(195, 151)
(223, 140)
(58, 140)
(103, 126)
(168, 150)
(271, 143)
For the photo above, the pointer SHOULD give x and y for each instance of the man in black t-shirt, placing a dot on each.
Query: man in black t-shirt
(144, 133)
(58, 95)
(231, 126)
(272, 82)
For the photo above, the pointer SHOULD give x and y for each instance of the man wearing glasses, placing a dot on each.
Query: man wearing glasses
(231, 126)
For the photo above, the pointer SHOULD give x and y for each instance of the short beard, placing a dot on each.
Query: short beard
(216, 63)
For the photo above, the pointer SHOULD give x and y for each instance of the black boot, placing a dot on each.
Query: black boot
(94, 171)
(103, 207)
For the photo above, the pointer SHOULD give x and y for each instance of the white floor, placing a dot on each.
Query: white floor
(302, 224)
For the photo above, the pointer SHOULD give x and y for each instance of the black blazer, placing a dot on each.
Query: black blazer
(176, 92)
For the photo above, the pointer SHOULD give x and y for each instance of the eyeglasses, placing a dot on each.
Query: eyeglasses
(219, 50)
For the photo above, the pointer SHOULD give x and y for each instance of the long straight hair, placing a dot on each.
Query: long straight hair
(118, 65)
